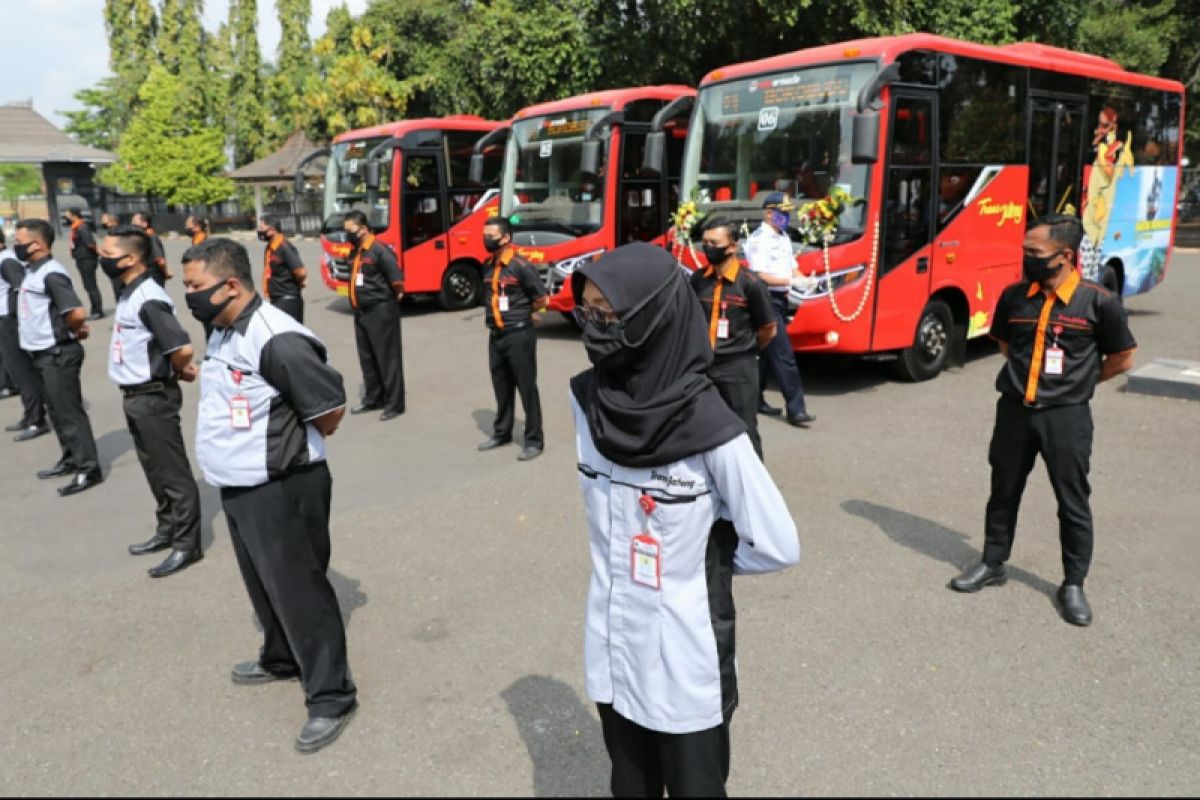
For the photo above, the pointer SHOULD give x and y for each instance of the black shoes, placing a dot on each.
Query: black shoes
(32, 432)
(389, 414)
(493, 443)
(57, 471)
(80, 483)
(152, 545)
(363, 408)
(979, 576)
(1073, 605)
(252, 673)
(179, 559)
(800, 421)
(529, 453)
(768, 410)
(321, 732)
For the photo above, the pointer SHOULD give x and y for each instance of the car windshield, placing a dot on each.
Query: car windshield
(786, 132)
(346, 185)
(543, 185)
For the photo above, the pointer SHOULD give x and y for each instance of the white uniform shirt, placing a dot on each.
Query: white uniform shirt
(664, 657)
(770, 253)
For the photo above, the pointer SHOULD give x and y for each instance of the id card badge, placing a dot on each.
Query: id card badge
(503, 300)
(723, 328)
(360, 279)
(117, 355)
(646, 559)
(239, 413)
(1054, 361)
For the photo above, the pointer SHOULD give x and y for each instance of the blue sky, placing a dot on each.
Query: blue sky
(53, 48)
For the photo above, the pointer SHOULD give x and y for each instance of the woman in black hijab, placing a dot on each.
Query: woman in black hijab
(677, 502)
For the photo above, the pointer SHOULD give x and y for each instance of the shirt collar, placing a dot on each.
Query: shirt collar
(37, 263)
(242, 323)
(275, 242)
(729, 272)
(1065, 291)
(132, 286)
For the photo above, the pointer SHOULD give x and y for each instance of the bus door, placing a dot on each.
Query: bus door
(1056, 133)
(908, 220)
(643, 211)
(423, 219)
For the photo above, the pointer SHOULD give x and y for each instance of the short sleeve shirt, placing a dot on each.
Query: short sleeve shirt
(737, 296)
(283, 261)
(770, 252)
(510, 287)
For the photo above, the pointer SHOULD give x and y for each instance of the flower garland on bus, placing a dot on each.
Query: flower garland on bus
(684, 222)
(817, 223)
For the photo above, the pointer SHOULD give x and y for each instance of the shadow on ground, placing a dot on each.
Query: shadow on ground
(111, 446)
(562, 737)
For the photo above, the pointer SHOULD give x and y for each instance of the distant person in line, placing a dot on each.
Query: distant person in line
(109, 223)
(1060, 336)
(197, 228)
(158, 256)
(677, 502)
(284, 276)
(17, 363)
(83, 251)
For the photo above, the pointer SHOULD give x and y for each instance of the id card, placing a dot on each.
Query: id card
(1054, 361)
(646, 560)
(723, 328)
(360, 279)
(503, 301)
(117, 354)
(239, 413)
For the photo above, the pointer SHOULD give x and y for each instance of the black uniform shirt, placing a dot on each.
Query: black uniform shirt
(507, 275)
(158, 256)
(13, 272)
(374, 275)
(83, 243)
(743, 301)
(1081, 319)
(282, 261)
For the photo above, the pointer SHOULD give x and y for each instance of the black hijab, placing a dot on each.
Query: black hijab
(650, 402)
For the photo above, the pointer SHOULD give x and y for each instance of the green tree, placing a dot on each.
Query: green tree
(248, 119)
(293, 68)
(1138, 36)
(19, 180)
(167, 151)
(182, 46)
(986, 21)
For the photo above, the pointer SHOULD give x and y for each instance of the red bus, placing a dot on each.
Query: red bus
(950, 149)
(411, 180)
(573, 181)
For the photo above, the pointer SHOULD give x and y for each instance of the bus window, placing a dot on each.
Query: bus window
(909, 190)
(641, 212)
(423, 219)
(464, 196)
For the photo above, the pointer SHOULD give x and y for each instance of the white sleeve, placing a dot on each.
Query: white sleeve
(767, 534)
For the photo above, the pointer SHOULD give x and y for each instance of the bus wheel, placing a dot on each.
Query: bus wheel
(462, 287)
(931, 346)
(1111, 281)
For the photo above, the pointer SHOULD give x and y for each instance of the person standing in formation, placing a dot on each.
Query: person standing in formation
(284, 276)
(197, 228)
(158, 256)
(83, 251)
(17, 363)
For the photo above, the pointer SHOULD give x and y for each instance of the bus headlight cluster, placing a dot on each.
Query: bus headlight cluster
(807, 288)
(567, 266)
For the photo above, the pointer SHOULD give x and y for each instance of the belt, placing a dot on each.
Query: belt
(511, 327)
(133, 390)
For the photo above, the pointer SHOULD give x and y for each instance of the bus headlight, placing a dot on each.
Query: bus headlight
(565, 268)
(810, 286)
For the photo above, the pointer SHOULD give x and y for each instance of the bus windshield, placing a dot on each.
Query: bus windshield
(346, 184)
(786, 132)
(542, 183)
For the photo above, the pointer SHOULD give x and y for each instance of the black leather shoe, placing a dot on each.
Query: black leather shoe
(1073, 605)
(493, 443)
(252, 673)
(80, 483)
(768, 410)
(321, 732)
(389, 414)
(32, 432)
(96, 315)
(529, 453)
(152, 545)
(179, 559)
(6, 393)
(363, 408)
(979, 576)
(57, 471)
(800, 421)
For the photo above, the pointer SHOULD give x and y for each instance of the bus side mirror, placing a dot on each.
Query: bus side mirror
(475, 171)
(864, 138)
(655, 153)
(589, 157)
(373, 175)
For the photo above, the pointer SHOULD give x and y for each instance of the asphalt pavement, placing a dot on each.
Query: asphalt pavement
(463, 575)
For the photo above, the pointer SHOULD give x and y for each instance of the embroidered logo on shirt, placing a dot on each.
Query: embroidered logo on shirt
(670, 480)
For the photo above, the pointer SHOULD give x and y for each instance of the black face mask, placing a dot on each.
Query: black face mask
(202, 307)
(610, 346)
(264, 236)
(21, 250)
(355, 237)
(1037, 268)
(716, 255)
(491, 243)
(111, 266)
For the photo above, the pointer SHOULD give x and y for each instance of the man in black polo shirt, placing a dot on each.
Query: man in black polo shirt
(83, 251)
(283, 271)
(512, 292)
(1060, 336)
(376, 288)
(740, 322)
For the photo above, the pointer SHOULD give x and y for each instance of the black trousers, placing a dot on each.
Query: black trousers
(292, 306)
(20, 369)
(644, 762)
(153, 420)
(779, 358)
(59, 367)
(1063, 438)
(381, 356)
(87, 271)
(280, 535)
(512, 357)
(736, 378)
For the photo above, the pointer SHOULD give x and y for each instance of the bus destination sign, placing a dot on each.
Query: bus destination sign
(790, 91)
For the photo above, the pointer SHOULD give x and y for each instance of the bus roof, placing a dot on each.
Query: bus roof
(457, 122)
(888, 48)
(612, 98)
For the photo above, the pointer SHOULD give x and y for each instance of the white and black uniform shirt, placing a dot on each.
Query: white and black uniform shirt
(145, 333)
(11, 275)
(262, 381)
(663, 657)
(770, 253)
(46, 296)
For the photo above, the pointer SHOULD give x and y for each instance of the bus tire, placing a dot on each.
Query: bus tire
(1111, 281)
(462, 286)
(930, 350)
